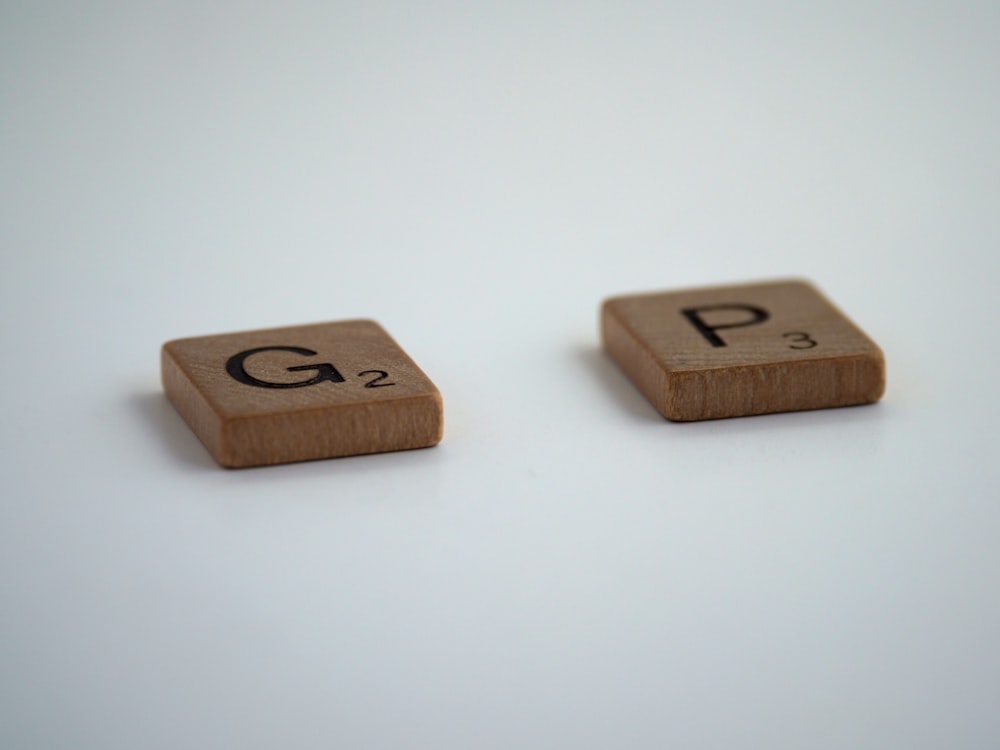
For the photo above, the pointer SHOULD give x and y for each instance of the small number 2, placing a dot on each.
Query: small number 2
(376, 382)
(801, 338)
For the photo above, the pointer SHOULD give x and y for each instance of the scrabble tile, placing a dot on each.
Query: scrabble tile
(734, 351)
(294, 394)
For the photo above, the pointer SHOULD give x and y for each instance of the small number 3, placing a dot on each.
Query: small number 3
(800, 338)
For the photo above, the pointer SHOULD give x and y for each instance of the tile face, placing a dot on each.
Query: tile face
(307, 392)
(739, 350)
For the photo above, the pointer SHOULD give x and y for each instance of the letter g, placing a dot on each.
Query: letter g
(324, 371)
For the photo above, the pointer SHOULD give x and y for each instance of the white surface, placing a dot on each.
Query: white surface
(566, 570)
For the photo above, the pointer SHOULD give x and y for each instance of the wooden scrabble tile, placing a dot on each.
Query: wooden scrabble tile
(293, 394)
(739, 350)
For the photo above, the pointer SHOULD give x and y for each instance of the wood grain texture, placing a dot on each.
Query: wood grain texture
(301, 393)
(740, 350)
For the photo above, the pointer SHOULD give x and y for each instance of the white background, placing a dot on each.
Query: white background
(567, 569)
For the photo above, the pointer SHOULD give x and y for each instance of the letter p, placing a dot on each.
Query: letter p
(693, 314)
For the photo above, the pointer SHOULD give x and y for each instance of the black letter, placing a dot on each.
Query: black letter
(759, 316)
(324, 371)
